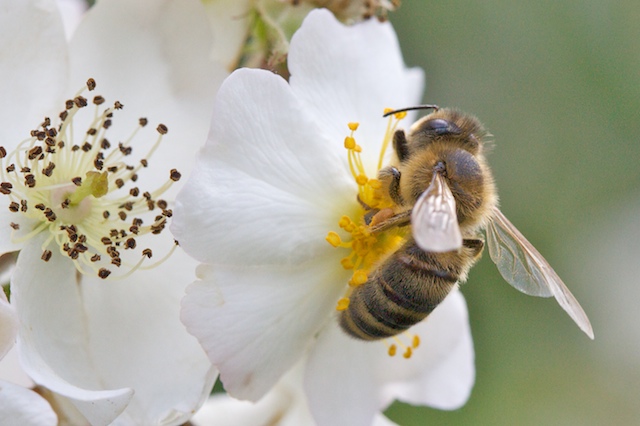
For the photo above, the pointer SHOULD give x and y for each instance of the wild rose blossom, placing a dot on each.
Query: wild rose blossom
(272, 182)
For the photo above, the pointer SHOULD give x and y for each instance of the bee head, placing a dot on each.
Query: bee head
(447, 126)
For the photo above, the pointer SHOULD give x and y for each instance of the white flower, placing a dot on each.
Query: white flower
(271, 182)
(115, 348)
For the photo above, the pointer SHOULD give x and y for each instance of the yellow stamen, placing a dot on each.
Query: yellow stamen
(359, 277)
(353, 126)
(333, 239)
(392, 350)
(416, 341)
(343, 304)
(407, 354)
(349, 142)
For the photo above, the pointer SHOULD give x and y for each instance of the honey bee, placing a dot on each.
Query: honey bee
(441, 186)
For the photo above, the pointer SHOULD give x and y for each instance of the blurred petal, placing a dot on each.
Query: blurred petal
(274, 184)
(256, 322)
(8, 325)
(71, 12)
(351, 73)
(230, 21)
(340, 379)
(284, 405)
(11, 370)
(24, 407)
(31, 34)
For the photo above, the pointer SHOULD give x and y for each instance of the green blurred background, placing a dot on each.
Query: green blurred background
(558, 85)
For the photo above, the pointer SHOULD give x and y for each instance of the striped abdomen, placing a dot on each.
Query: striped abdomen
(406, 288)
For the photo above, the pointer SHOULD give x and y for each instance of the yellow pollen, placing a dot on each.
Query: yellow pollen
(353, 126)
(362, 180)
(359, 277)
(392, 350)
(349, 142)
(334, 239)
(343, 304)
(347, 263)
(400, 115)
(407, 354)
(416, 341)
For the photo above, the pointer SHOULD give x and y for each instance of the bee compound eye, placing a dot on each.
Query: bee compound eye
(440, 126)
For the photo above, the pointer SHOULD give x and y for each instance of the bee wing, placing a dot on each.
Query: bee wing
(522, 266)
(434, 222)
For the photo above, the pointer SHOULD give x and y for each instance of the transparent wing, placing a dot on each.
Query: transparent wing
(522, 266)
(434, 222)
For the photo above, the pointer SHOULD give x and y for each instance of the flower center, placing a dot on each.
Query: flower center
(83, 194)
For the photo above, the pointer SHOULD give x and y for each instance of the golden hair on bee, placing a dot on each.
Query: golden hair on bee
(440, 185)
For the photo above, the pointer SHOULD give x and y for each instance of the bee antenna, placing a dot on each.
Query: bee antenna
(434, 107)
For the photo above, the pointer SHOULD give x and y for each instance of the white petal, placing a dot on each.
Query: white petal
(146, 347)
(51, 338)
(256, 322)
(351, 73)
(34, 78)
(340, 381)
(73, 342)
(154, 56)
(8, 325)
(23, 407)
(230, 20)
(267, 186)
(441, 372)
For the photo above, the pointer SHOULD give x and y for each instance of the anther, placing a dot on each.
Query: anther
(343, 304)
(91, 84)
(392, 350)
(104, 273)
(349, 142)
(333, 239)
(353, 126)
(359, 277)
(162, 129)
(46, 255)
(174, 175)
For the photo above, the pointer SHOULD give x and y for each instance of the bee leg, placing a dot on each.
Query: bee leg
(476, 246)
(392, 175)
(400, 145)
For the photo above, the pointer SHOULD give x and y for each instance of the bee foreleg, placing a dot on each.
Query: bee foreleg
(392, 176)
(400, 145)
